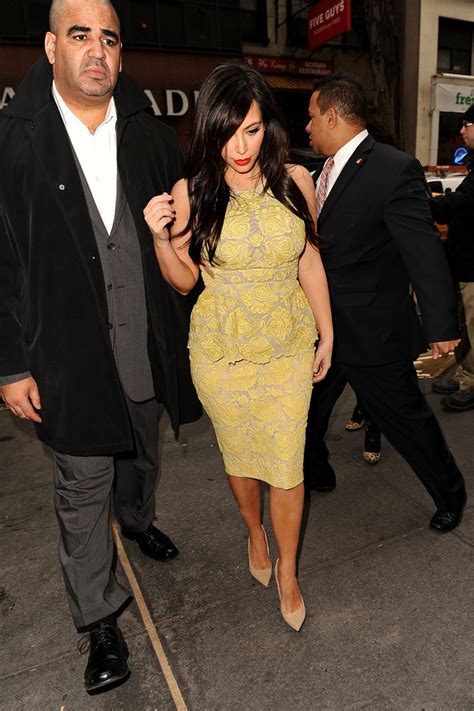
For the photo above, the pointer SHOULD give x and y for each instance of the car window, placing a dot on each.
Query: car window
(436, 186)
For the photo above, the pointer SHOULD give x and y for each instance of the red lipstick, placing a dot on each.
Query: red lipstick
(243, 161)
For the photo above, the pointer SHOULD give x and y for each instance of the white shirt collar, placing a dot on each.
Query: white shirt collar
(344, 153)
(341, 158)
(69, 117)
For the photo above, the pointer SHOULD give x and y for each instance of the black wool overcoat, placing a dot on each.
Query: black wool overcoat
(53, 308)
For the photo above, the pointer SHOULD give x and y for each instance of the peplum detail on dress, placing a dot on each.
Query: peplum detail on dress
(250, 312)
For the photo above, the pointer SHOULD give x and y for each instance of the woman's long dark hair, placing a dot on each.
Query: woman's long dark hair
(224, 102)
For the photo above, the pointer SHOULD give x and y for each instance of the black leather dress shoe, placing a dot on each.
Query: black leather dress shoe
(154, 543)
(107, 663)
(320, 478)
(460, 401)
(444, 521)
(445, 387)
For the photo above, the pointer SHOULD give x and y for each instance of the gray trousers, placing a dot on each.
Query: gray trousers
(84, 487)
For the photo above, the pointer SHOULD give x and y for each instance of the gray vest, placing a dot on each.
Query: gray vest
(121, 260)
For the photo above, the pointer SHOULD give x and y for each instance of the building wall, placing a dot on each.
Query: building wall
(430, 12)
(294, 100)
(410, 52)
(171, 80)
(350, 60)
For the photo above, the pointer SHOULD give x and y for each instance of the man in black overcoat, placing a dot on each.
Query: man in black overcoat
(92, 340)
(377, 238)
(457, 210)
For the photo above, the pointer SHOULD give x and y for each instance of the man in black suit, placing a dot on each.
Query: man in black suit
(457, 210)
(377, 238)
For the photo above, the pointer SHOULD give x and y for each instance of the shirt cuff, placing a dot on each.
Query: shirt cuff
(9, 379)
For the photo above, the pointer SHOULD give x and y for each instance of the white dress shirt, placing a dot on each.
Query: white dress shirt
(341, 158)
(97, 155)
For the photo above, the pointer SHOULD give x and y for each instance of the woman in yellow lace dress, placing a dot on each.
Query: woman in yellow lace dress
(245, 219)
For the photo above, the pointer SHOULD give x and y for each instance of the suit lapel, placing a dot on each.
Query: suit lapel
(351, 168)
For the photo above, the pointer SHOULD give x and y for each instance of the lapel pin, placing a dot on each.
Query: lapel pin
(358, 161)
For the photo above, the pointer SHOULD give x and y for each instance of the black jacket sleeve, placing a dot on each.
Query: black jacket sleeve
(444, 206)
(408, 219)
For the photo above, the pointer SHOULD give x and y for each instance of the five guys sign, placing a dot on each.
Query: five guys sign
(328, 19)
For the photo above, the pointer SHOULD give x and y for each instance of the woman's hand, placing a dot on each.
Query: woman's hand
(322, 361)
(159, 214)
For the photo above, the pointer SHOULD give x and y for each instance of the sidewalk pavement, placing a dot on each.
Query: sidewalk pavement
(390, 603)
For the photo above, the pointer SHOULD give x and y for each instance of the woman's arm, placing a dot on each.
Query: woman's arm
(312, 278)
(173, 257)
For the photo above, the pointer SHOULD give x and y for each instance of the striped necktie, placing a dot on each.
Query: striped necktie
(323, 185)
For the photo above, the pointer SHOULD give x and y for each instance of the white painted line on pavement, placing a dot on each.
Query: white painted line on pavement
(149, 625)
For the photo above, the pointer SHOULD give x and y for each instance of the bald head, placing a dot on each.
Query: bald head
(58, 8)
(85, 52)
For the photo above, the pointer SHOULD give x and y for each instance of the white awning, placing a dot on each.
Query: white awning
(454, 97)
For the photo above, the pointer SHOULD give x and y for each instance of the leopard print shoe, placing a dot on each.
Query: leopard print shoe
(357, 420)
(372, 444)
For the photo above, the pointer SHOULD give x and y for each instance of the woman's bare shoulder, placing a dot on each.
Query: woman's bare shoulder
(180, 189)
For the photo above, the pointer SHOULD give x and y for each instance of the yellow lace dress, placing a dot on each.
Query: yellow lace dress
(252, 341)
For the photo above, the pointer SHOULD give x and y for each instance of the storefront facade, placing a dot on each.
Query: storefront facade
(450, 97)
(269, 35)
(170, 80)
(438, 76)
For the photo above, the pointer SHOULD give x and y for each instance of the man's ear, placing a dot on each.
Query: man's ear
(50, 46)
(331, 117)
(121, 47)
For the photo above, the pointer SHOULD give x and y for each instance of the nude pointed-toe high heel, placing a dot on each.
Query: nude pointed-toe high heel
(296, 618)
(262, 575)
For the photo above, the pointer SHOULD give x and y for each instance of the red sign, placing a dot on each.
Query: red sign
(286, 65)
(328, 19)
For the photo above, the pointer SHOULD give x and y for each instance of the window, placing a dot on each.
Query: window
(297, 23)
(144, 28)
(454, 46)
(206, 25)
(12, 19)
(449, 138)
(37, 17)
(171, 24)
(186, 25)
(253, 18)
(27, 20)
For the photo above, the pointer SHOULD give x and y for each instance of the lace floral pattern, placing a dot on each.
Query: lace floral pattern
(253, 307)
(259, 414)
(252, 343)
